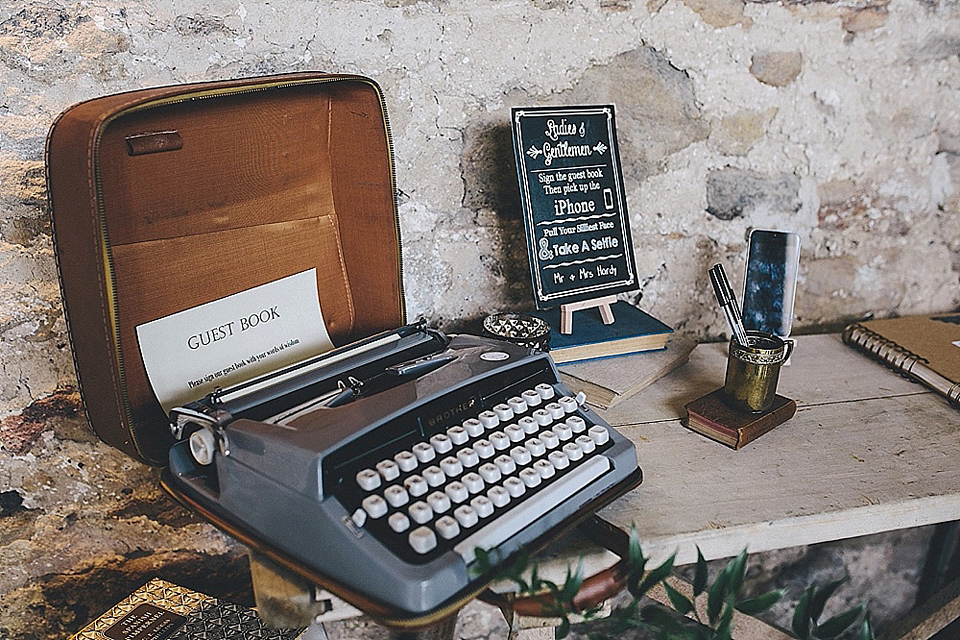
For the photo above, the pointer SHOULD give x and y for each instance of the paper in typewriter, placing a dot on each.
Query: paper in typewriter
(228, 341)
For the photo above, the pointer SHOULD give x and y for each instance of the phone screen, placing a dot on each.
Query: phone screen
(770, 283)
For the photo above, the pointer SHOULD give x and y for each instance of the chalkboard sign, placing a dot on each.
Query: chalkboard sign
(575, 213)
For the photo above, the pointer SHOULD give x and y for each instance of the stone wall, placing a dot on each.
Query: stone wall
(838, 120)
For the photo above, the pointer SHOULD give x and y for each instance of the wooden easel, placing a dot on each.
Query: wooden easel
(566, 311)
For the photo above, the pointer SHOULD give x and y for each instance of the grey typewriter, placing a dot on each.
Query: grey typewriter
(379, 469)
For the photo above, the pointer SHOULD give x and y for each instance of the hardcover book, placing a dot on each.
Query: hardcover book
(160, 610)
(632, 331)
(923, 348)
(711, 416)
(608, 381)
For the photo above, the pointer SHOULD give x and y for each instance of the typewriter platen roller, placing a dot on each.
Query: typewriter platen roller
(377, 470)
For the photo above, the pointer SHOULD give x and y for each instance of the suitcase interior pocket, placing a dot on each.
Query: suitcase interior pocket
(207, 267)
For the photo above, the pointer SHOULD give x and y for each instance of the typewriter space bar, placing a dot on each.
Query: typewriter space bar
(532, 508)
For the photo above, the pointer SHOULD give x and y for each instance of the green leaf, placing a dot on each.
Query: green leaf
(572, 583)
(653, 577)
(680, 602)
(482, 561)
(738, 571)
(838, 623)
(656, 614)
(726, 618)
(563, 629)
(758, 604)
(801, 618)
(717, 594)
(636, 562)
(535, 583)
(700, 575)
(820, 596)
(515, 570)
(866, 629)
(663, 621)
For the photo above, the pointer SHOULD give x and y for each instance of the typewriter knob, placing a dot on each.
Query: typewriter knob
(202, 446)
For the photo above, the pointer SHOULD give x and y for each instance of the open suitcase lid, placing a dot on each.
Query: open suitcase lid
(166, 199)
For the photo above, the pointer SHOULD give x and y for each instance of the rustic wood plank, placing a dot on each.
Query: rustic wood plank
(868, 451)
(822, 370)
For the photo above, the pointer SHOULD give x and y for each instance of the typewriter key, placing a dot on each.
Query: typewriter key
(399, 522)
(368, 479)
(515, 487)
(466, 516)
(482, 505)
(490, 472)
(514, 432)
(499, 496)
(518, 404)
(529, 425)
(439, 502)
(531, 397)
(448, 527)
(573, 451)
(599, 434)
(546, 391)
(536, 447)
(530, 477)
(473, 482)
(468, 457)
(505, 464)
(473, 427)
(457, 492)
(375, 506)
(420, 512)
(422, 539)
(416, 485)
(406, 461)
(586, 443)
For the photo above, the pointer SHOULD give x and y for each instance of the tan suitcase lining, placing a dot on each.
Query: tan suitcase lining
(231, 207)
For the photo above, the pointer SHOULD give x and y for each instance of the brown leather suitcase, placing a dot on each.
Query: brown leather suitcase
(168, 198)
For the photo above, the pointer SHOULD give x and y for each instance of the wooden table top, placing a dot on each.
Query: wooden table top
(868, 451)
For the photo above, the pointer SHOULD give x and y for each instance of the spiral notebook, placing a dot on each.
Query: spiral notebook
(923, 348)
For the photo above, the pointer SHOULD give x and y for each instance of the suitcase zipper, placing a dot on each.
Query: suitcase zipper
(202, 95)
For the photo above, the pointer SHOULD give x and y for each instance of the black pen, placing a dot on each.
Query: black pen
(721, 286)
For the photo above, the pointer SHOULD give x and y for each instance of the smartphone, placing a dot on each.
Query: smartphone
(770, 281)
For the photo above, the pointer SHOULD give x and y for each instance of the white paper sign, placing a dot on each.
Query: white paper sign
(191, 353)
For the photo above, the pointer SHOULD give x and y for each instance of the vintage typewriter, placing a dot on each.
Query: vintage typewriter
(379, 469)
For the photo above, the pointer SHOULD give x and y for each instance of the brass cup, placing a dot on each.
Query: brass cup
(753, 371)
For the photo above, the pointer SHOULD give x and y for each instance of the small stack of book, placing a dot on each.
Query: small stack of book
(608, 381)
(632, 331)
(711, 416)
(611, 362)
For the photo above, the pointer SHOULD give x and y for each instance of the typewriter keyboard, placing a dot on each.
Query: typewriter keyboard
(479, 482)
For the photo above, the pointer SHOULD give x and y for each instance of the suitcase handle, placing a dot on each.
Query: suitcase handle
(601, 586)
